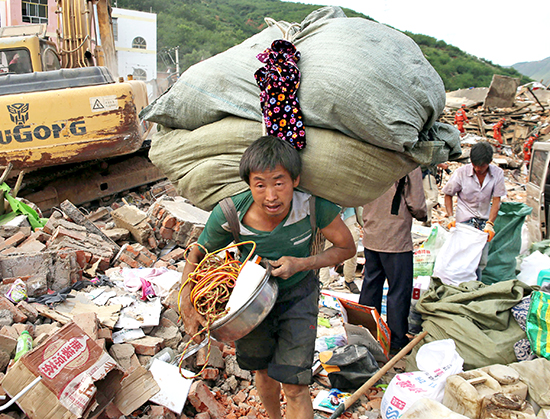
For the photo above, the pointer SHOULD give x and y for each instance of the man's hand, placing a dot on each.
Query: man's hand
(285, 266)
(192, 320)
(449, 222)
(489, 229)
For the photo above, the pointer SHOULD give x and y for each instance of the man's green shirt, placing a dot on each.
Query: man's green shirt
(291, 237)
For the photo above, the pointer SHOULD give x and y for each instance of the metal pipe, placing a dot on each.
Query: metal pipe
(21, 393)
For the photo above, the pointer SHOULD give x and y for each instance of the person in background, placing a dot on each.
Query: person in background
(461, 119)
(479, 187)
(276, 217)
(352, 219)
(387, 240)
(431, 184)
(497, 131)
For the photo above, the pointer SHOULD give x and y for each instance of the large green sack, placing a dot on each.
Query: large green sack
(203, 164)
(359, 77)
(476, 316)
(506, 245)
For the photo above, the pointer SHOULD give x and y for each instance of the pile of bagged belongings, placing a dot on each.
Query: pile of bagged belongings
(369, 100)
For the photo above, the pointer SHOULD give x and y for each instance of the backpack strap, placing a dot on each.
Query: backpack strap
(396, 202)
(312, 218)
(228, 208)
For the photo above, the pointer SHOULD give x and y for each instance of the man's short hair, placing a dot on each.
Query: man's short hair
(266, 153)
(481, 153)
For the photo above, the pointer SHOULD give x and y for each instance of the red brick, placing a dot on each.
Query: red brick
(12, 280)
(169, 222)
(62, 231)
(228, 350)
(240, 397)
(203, 400)
(174, 255)
(83, 258)
(155, 211)
(152, 242)
(210, 373)
(145, 260)
(203, 415)
(128, 260)
(28, 310)
(166, 233)
(13, 240)
(160, 214)
(18, 315)
(130, 249)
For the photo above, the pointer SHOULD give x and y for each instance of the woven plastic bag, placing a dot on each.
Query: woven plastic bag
(204, 164)
(538, 323)
(364, 79)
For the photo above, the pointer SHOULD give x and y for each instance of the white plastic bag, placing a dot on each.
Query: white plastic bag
(441, 360)
(459, 256)
(531, 267)
(425, 256)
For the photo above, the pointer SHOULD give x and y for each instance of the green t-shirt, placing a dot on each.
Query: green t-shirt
(290, 238)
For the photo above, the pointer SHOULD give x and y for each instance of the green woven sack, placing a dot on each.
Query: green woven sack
(538, 323)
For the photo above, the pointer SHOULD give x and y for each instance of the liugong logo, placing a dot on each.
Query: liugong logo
(22, 133)
(19, 113)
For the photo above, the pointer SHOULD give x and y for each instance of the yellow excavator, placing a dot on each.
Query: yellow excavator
(63, 107)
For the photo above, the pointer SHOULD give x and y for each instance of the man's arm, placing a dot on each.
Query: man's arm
(449, 205)
(343, 248)
(495, 206)
(191, 319)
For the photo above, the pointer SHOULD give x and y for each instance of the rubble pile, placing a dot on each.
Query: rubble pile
(527, 114)
(77, 269)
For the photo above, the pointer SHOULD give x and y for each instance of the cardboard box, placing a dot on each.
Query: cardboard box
(79, 379)
(368, 317)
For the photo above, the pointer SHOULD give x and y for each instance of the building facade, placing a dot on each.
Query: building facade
(135, 33)
(136, 43)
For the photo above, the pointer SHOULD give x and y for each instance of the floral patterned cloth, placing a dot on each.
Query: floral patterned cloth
(279, 80)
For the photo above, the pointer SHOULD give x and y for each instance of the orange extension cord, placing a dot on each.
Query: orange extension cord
(213, 278)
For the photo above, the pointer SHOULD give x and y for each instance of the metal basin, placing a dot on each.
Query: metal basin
(240, 323)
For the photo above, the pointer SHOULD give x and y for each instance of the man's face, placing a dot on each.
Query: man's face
(480, 170)
(272, 191)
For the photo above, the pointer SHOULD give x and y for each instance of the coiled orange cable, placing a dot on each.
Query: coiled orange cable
(214, 278)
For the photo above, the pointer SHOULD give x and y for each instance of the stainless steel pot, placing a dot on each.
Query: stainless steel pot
(240, 323)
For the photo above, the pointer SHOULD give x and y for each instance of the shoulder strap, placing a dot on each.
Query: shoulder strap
(228, 208)
(396, 202)
(312, 218)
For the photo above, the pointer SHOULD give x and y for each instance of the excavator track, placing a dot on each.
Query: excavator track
(89, 182)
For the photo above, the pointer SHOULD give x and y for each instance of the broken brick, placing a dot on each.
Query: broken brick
(13, 240)
(177, 254)
(128, 260)
(203, 400)
(18, 315)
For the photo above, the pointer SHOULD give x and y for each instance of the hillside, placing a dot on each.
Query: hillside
(203, 28)
(537, 70)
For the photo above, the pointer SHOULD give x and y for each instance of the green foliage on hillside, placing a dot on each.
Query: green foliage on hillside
(458, 69)
(203, 28)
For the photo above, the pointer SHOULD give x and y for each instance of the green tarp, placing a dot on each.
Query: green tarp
(476, 316)
(506, 245)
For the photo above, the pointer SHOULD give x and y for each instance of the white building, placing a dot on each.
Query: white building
(136, 43)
